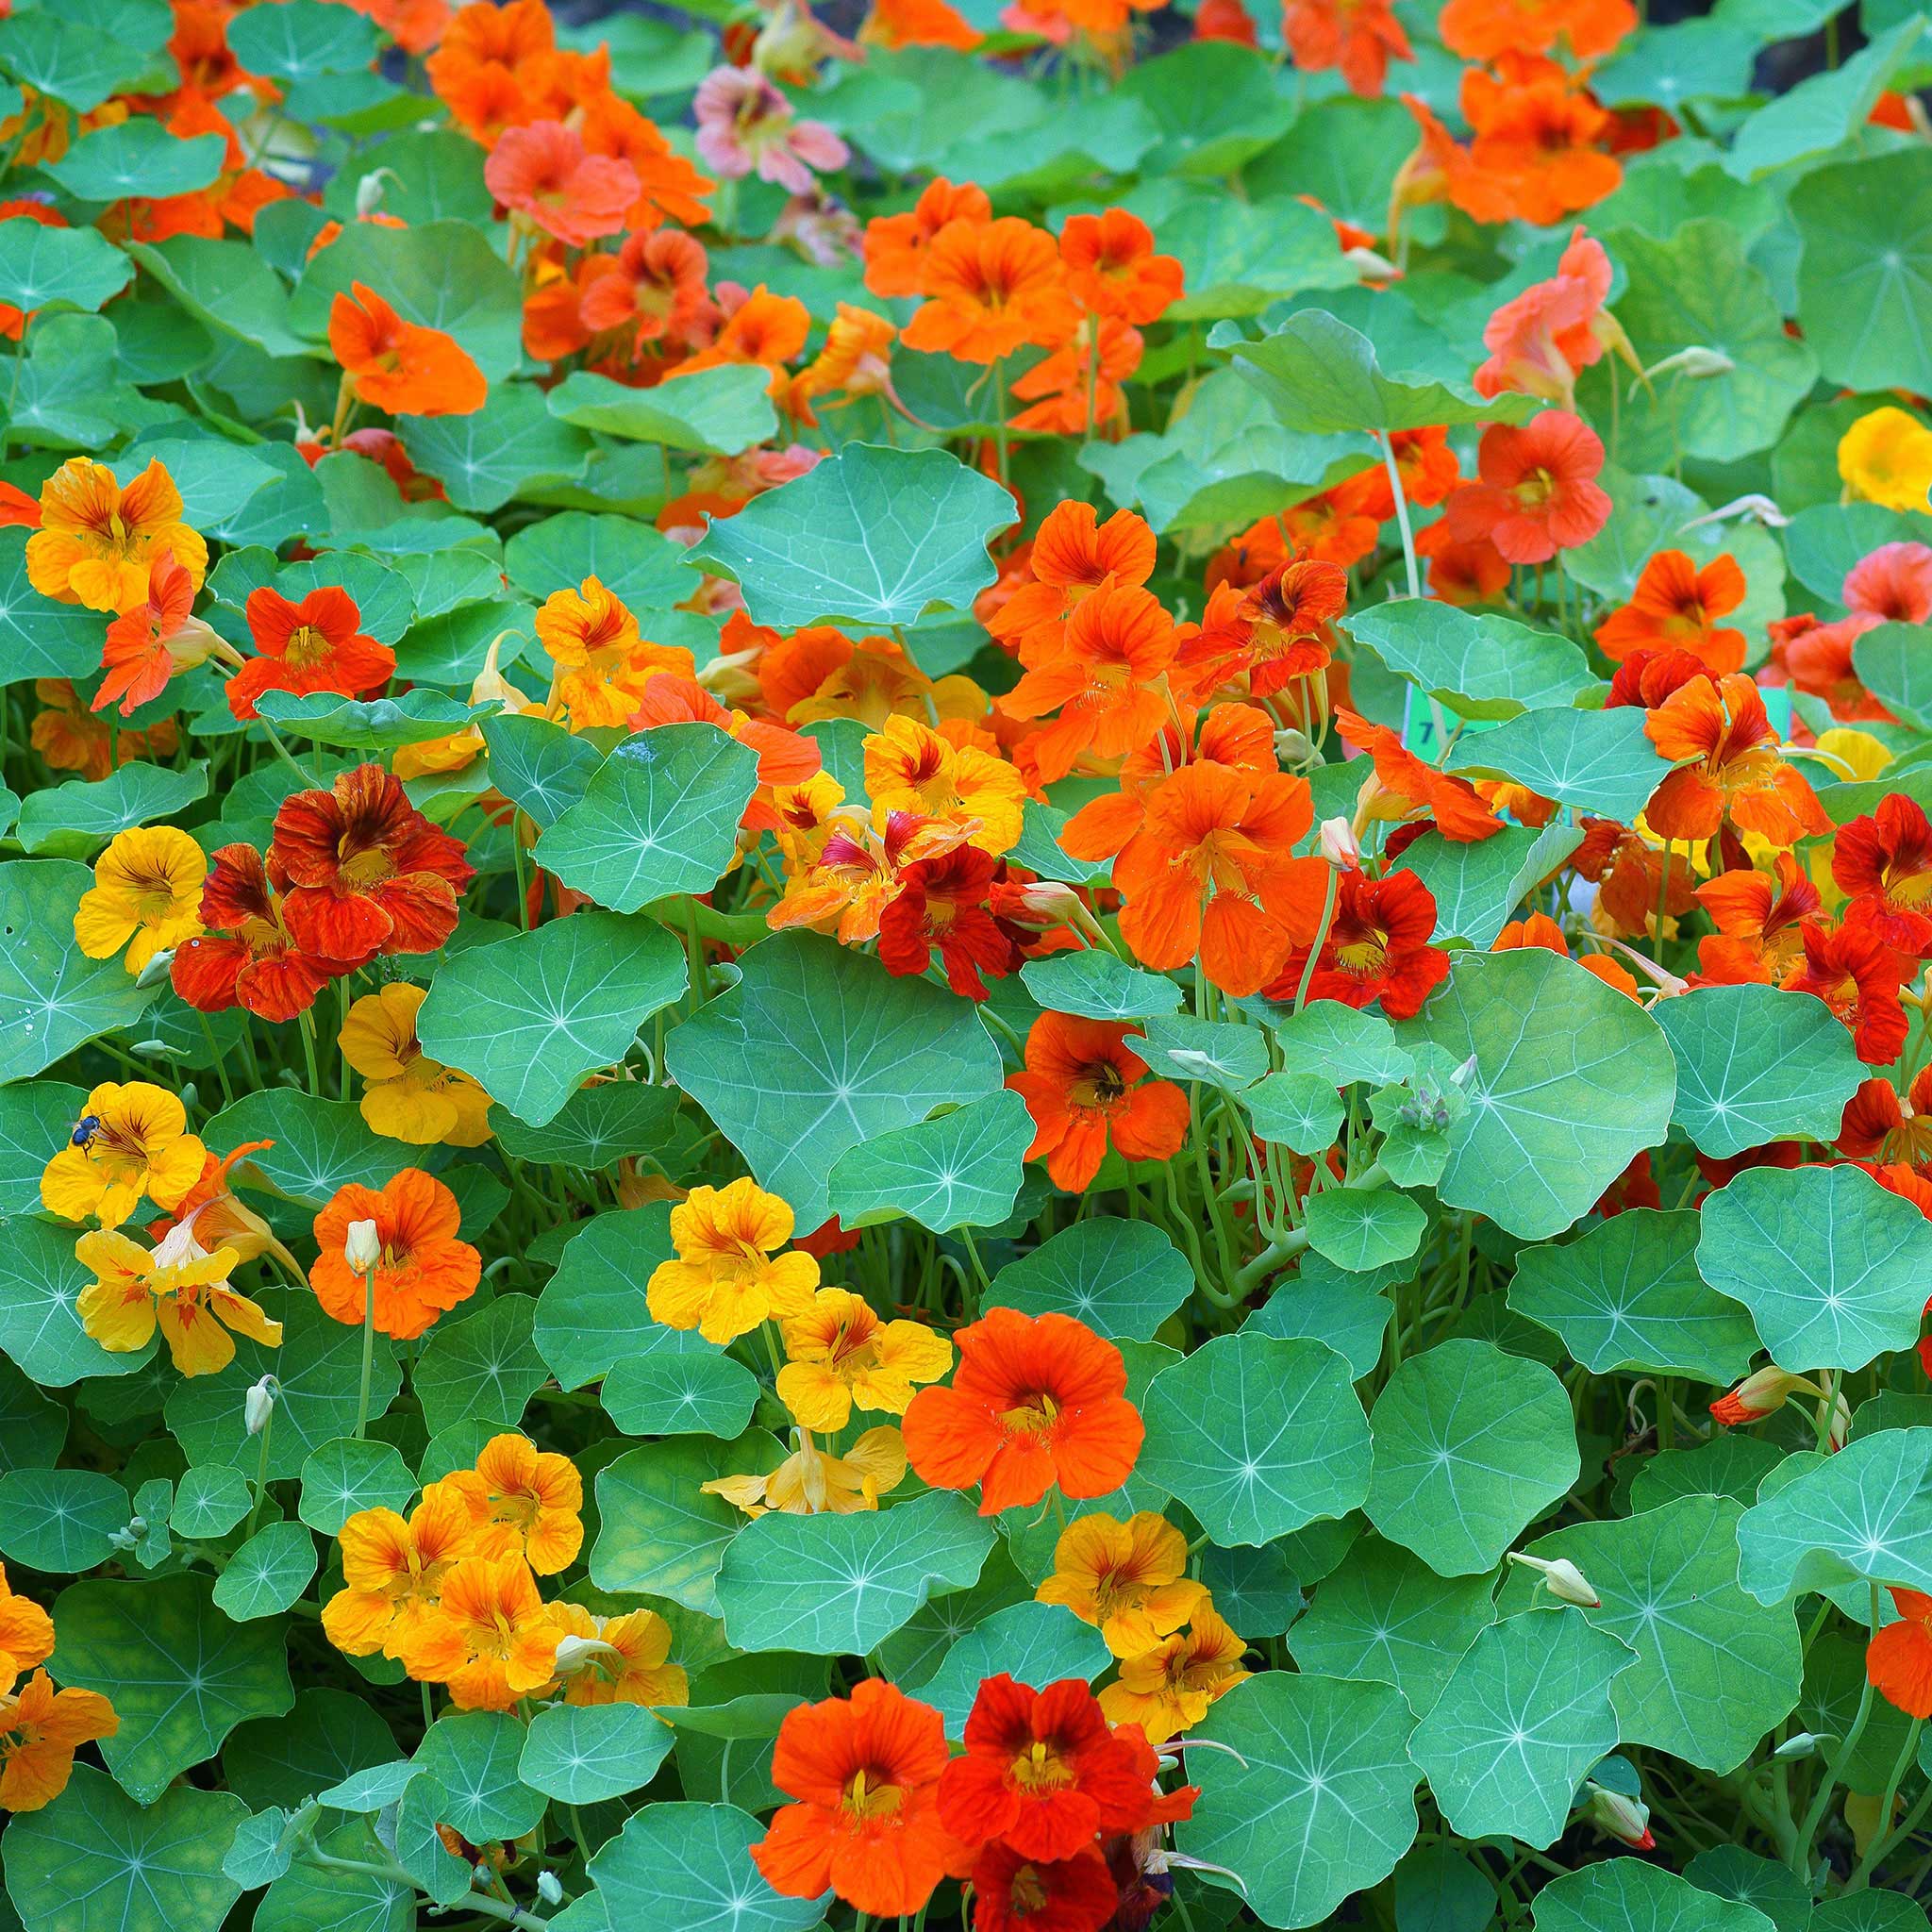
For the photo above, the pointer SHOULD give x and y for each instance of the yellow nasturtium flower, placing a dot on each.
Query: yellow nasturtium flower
(179, 1286)
(146, 895)
(1169, 1688)
(1128, 1579)
(131, 1140)
(1885, 457)
(409, 1096)
(811, 1482)
(97, 538)
(728, 1277)
(841, 1353)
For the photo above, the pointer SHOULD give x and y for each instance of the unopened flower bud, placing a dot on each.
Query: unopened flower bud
(575, 1654)
(1698, 362)
(259, 1403)
(1561, 1578)
(1627, 1820)
(1802, 1744)
(363, 1246)
(156, 970)
(369, 193)
(1041, 904)
(1291, 747)
(550, 1887)
(1336, 842)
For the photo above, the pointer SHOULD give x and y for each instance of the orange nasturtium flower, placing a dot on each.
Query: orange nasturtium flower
(1039, 1402)
(1675, 608)
(131, 1140)
(1074, 553)
(393, 1567)
(863, 1772)
(409, 1096)
(26, 1633)
(180, 1287)
(311, 646)
(40, 1727)
(491, 1638)
(1898, 1660)
(603, 660)
(859, 869)
(146, 895)
(1452, 803)
(145, 647)
(423, 1271)
(543, 172)
(97, 539)
(525, 1502)
(1481, 29)
(840, 1355)
(1169, 1688)
(401, 366)
(1360, 37)
(1112, 269)
(814, 1482)
(620, 1659)
(909, 767)
(1128, 1579)
(897, 246)
(991, 287)
(1738, 773)
(728, 1276)
(1085, 1087)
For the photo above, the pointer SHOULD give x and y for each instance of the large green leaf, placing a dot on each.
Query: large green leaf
(1481, 665)
(60, 1521)
(1320, 376)
(40, 265)
(531, 1015)
(1856, 1517)
(71, 820)
(1715, 1668)
(672, 1382)
(588, 1313)
(1822, 111)
(53, 997)
(1573, 1080)
(1033, 1642)
(1122, 1278)
(586, 1753)
(1385, 1617)
(659, 816)
(40, 638)
(299, 40)
(818, 1048)
(1318, 1801)
(1753, 1065)
(137, 156)
(1628, 1895)
(94, 1861)
(40, 1323)
(1593, 761)
(1471, 1444)
(1627, 1296)
(474, 1756)
(1524, 1714)
(1833, 1268)
(178, 1672)
(1477, 885)
(841, 1585)
(722, 410)
(1865, 274)
(871, 536)
(482, 1368)
(960, 1169)
(486, 458)
(1257, 1436)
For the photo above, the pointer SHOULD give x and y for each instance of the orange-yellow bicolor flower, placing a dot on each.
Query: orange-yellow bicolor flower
(841, 1353)
(728, 1276)
(491, 1638)
(146, 895)
(1128, 1579)
(909, 767)
(525, 1502)
(810, 1482)
(1169, 1688)
(97, 539)
(131, 1140)
(393, 1567)
(40, 1727)
(408, 1096)
(620, 1659)
(180, 1287)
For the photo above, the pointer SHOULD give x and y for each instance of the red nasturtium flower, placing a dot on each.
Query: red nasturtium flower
(942, 905)
(424, 1269)
(864, 1773)
(1014, 1894)
(1038, 1402)
(247, 956)
(1878, 1125)
(1452, 803)
(1675, 608)
(1898, 1660)
(1883, 864)
(1084, 1087)
(1856, 974)
(401, 366)
(1275, 631)
(367, 873)
(311, 646)
(1538, 492)
(1377, 947)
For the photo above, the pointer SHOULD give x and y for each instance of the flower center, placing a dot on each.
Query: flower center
(869, 1795)
(306, 647)
(1033, 1416)
(1099, 1084)
(1027, 1893)
(1041, 1768)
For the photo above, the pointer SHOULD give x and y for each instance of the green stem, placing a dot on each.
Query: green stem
(260, 1476)
(1808, 1830)
(367, 1353)
(1389, 463)
(1301, 992)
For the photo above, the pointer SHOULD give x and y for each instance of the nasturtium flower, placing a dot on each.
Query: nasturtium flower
(746, 123)
(815, 1482)
(897, 246)
(1882, 862)
(1113, 268)
(39, 1729)
(603, 661)
(1879, 1125)
(1087, 1089)
(617, 1660)
(70, 738)
(842, 1354)
(393, 1567)
(409, 1096)
(246, 956)
(146, 895)
(1857, 976)
(544, 172)
(943, 905)
(525, 1502)
(1898, 1660)
(315, 645)
(1128, 1579)
(98, 539)
(1735, 772)
(859, 869)
(179, 1285)
(1072, 554)
(1537, 490)
(491, 1638)
(147, 645)
(1169, 1688)
(1039, 1402)
(1759, 917)
(1042, 1773)
(1885, 457)
(1012, 1893)
(863, 1774)
(1675, 606)
(26, 1633)
(1275, 630)
(131, 1141)
(1376, 948)
(909, 767)
(401, 366)
(990, 287)
(728, 1276)
(424, 1269)
(1358, 37)
(1414, 785)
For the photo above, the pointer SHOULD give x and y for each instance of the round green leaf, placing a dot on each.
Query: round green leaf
(39, 1326)
(61, 1520)
(960, 1169)
(72, 821)
(484, 1368)
(346, 1476)
(1594, 762)
(209, 1500)
(1318, 1804)
(586, 1753)
(266, 1573)
(1322, 1302)
(1627, 1895)
(1626, 1294)
(1481, 665)
(1524, 1714)
(531, 1015)
(875, 537)
(838, 1585)
(1300, 1112)
(485, 458)
(724, 410)
(674, 1382)
(93, 1861)
(1385, 1617)
(1095, 984)
(40, 265)
(816, 1049)
(1257, 1436)
(308, 1895)
(137, 156)
(297, 40)
(1360, 1229)
(590, 1311)
(178, 1672)
(1572, 1082)
(637, 564)
(1751, 1879)
(1469, 1443)
(1754, 1064)
(687, 1866)
(1832, 1266)
(1034, 1643)
(1121, 1278)
(596, 1127)
(474, 1754)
